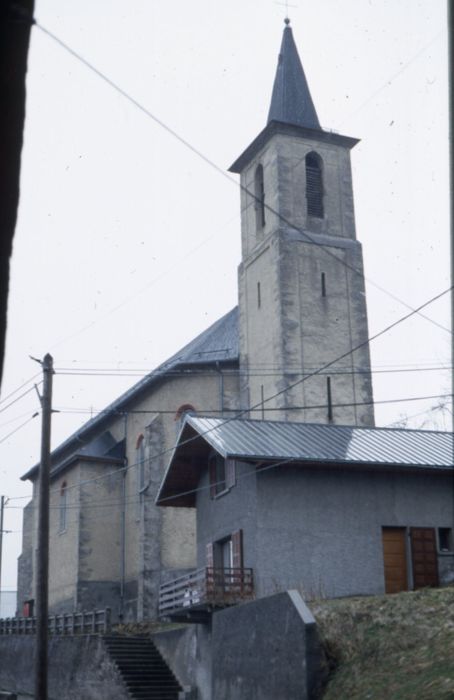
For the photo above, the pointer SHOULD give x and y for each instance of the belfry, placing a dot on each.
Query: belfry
(302, 305)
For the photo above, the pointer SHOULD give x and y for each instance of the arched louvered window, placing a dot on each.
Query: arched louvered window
(259, 192)
(314, 185)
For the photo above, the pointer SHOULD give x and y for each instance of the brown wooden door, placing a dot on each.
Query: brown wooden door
(395, 559)
(424, 557)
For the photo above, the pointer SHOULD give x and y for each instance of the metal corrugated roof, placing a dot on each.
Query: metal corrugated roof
(257, 439)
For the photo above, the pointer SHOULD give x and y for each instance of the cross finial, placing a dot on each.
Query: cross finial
(286, 4)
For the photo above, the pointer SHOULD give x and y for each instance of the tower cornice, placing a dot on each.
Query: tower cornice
(275, 127)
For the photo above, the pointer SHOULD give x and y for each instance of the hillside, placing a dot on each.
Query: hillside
(396, 647)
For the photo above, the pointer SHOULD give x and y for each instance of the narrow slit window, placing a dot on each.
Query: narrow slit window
(63, 508)
(323, 282)
(259, 192)
(314, 186)
(329, 399)
(259, 296)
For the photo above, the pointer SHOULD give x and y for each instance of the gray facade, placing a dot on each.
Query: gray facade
(320, 529)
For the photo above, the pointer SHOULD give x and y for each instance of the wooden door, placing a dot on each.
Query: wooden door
(395, 559)
(424, 557)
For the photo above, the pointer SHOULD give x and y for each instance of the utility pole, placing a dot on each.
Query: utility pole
(2, 508)
(42, 557)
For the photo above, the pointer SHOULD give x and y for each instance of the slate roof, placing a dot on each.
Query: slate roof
(314, 444)
(218, 343)
(291, 101)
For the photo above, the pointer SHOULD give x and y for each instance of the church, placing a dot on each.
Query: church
(293, 353)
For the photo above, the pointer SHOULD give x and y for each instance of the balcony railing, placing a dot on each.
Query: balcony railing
(205, 589)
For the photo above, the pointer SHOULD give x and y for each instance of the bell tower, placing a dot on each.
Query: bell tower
(301, 286)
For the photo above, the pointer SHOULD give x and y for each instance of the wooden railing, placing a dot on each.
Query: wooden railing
(93, 622)
(206, 587)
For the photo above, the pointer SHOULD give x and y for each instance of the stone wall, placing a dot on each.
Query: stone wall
(301, 289)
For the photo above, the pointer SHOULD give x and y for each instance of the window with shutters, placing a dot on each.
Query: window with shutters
(259, 192)
(222, 475)
(314, 185)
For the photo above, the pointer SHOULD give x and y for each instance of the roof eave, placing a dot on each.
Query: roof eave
(80, 457)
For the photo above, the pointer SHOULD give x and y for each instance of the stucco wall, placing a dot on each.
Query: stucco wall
(217, 518)
(320, 530)
(64, 543)
(85, 560)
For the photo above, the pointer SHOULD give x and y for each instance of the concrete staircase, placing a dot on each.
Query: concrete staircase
(144, 671)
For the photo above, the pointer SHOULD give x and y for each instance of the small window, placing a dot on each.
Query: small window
(140, 463)
(217, 474)
(445, 539)
(259, 296)
(259, 193)
(329, 399)
(314, 186)
(63, 508)
(222, 474)
(323, 284)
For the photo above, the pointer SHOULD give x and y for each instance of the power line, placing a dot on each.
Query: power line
(216, 167)
(291, 386)
(265, 372)
(18, 398)
(5, 398)
(357, 347)
(204, 411)
(18, 428)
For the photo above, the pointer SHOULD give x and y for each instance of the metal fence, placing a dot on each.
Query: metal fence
(93, 622)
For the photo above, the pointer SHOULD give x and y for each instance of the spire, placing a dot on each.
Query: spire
(291, 101)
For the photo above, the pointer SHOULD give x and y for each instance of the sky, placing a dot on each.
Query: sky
(127, 241)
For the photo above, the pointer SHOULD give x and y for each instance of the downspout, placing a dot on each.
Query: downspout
(123, 524)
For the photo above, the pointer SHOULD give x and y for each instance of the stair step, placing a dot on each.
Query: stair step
(145, 673)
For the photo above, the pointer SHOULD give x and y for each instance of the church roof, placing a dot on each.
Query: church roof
(291, 101)
(300, 443)
(217, 344)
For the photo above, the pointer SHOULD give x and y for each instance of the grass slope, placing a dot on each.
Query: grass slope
(395, 647)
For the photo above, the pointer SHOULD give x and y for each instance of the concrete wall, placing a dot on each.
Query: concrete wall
(320, 530)
(79, 667)
(263, 650)
(188, 652)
